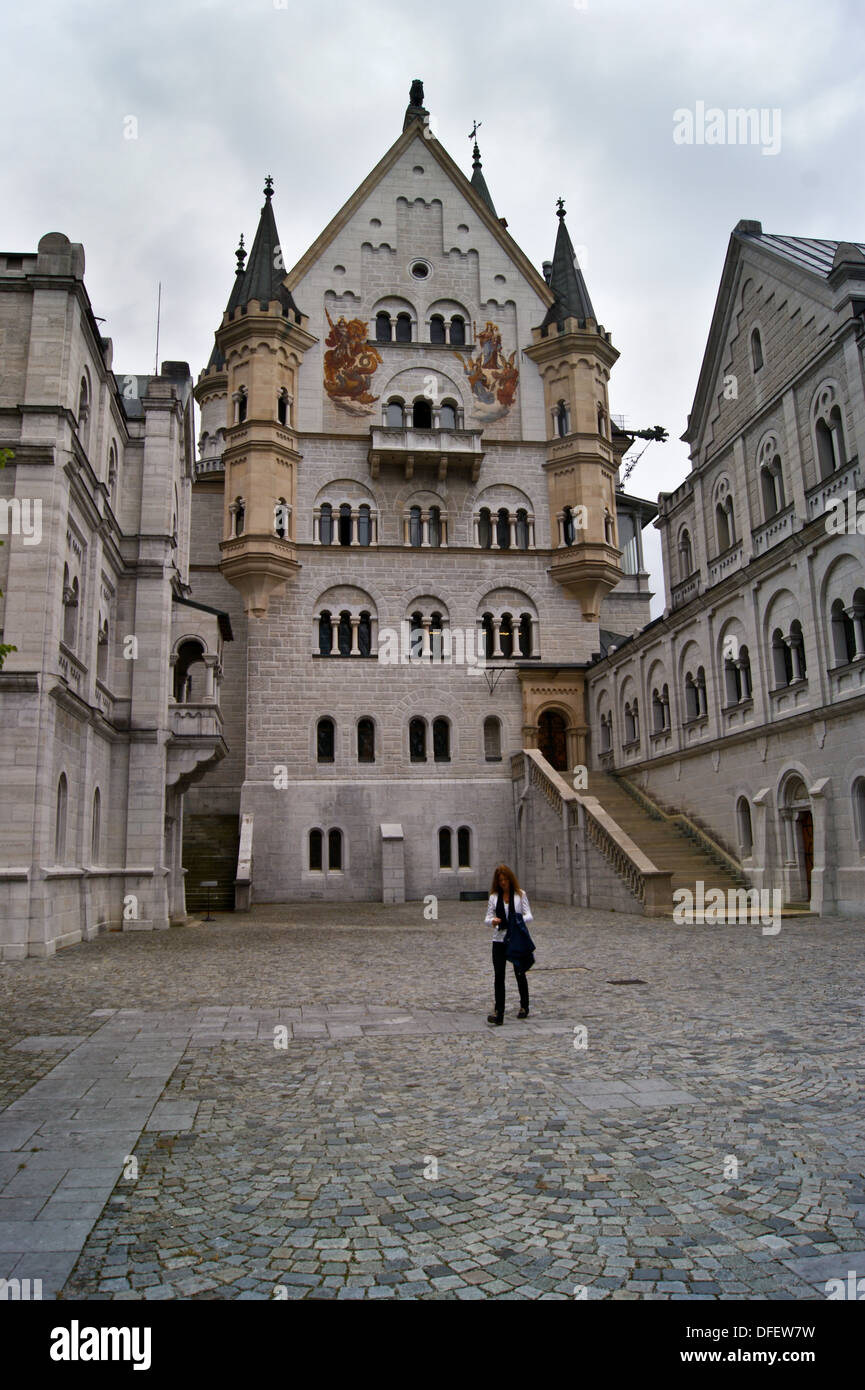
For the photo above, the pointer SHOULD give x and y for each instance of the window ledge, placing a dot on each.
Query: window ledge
(801, 684)
(739, 705)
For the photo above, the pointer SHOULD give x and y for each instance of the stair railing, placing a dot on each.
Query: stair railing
(684, 825)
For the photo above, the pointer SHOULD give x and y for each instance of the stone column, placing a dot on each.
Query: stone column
(857, 617)
(355, 624)
(497, 623)
(334, 636)
(476, 530)
(512, 522)
(353, 538)
(795, 647)
(531, 533)
(443, 529)
(560, 520)
(426, 648)
(373, 636)
(424, 530)
(316, 525)
(536, 637)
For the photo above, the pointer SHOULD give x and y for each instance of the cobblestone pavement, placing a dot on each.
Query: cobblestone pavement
(307, 1102)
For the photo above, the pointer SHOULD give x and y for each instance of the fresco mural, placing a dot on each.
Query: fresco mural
(349, 366)
(492, 376)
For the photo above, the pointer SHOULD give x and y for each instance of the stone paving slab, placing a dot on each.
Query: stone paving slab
(311, 1166)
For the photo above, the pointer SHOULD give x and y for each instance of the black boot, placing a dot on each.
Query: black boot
(524, 1011)
(496, 1018)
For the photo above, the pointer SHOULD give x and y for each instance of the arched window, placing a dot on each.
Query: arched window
(325, 524)
(395, 415)
(485, 529)
(503, 529)
(280, 519)
(365, 741)
(568, 526)
(96, 829)
(606, 736)
(415, 529)
(487, 623)
(416, 636)
(364, 525)
(441, 741)
(326, 740)
(770, 496)
(344, 524)
(364, 634)
(843, 634)
(658, 719)
(859, 812)
(525, 634)
(437, 329)
(189, 683)
(437, 636)
(743, 822)
(724, 537)
(344, 642)
(506, 635)
(70, 608)
(403, 328)
(383, 330)
(315, 851)
(522, 529)
(608, 528)
(632, 727)
(435, 527)
(692, 697)
(238, 510)
(102, 652)
(782, 661)
(492, 739)
(756, 350)
(242, 404)
(421, 414)
(60, 820)
(417, 740)
(84, 411)
(464, 847)
(563, 421)
(686, 557)
(828, 430)
(797, 644)
(282, 407)
(325, 634)
(447, 416)
(458, 331)
(112, 473)
(445, 848)
(334, 850)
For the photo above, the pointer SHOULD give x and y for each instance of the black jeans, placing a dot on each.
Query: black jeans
(499, 964)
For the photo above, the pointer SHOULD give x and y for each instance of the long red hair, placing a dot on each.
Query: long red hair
(511, 877)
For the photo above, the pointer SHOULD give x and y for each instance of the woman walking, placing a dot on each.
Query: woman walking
(506, 900)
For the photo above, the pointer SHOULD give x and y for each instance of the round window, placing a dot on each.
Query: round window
(420, 270)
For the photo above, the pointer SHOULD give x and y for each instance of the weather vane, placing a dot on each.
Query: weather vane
(473, 133)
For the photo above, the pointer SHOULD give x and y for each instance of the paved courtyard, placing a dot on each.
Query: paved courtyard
(307, 1102)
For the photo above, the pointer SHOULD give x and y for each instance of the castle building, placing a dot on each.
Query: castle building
(389, 623)
(743, 705)
(406, 500)
(109, 698)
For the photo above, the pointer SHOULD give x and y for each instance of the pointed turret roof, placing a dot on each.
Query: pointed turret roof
(478, 182)
(566, 280)
(265, 270)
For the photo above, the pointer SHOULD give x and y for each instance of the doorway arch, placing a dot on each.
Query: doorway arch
(797, 839)
(552, 740)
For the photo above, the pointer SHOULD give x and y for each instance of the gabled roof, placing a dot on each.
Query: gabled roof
(566, 280)
(413, 129)
(812, 255)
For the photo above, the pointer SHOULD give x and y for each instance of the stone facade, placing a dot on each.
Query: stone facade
(95, 751)
(750, 690)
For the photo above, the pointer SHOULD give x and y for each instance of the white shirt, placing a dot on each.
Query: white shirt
(521, 905)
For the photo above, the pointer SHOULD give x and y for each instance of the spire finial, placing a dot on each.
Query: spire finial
(240, 253)
(268, 187)
(560, 207)
(473, 135)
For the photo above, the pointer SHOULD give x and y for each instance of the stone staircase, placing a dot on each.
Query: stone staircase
(687, 858)
(210, 845)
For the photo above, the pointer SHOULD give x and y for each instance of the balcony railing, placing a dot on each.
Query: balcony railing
(774, 530)
(728, 561)
(686, 590)
(441, 449)
(827, 490)
(203, 467)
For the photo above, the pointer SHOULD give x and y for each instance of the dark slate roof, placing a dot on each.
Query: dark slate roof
(479, 183)
(811, 253)
(566, 281)
(264, 273)
(609, 640)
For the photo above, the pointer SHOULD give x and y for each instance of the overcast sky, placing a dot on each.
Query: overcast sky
(576, 98)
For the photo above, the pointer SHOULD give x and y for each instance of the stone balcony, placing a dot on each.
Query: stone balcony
(212, 467)
(408, 449)
(725, 563)
(195, 741)
(682, 593)
(846, 480)
(775, 530)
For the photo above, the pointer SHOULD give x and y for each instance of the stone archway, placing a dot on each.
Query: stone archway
(554, 690)
(797, 840)
(552, 738)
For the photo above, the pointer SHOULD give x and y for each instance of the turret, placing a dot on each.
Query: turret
(256, 360)
(574, 355)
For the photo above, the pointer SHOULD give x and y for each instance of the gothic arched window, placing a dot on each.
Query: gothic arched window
(325, 524)
(458, 331)
(437, 329)
(522, 529)
(485, 529)
(325, 741)
(417, 740)
(403, 328)
(503, 529)
(441, 740)
(364, 525)
(365, 741)
(383, 330)
(325, 633)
